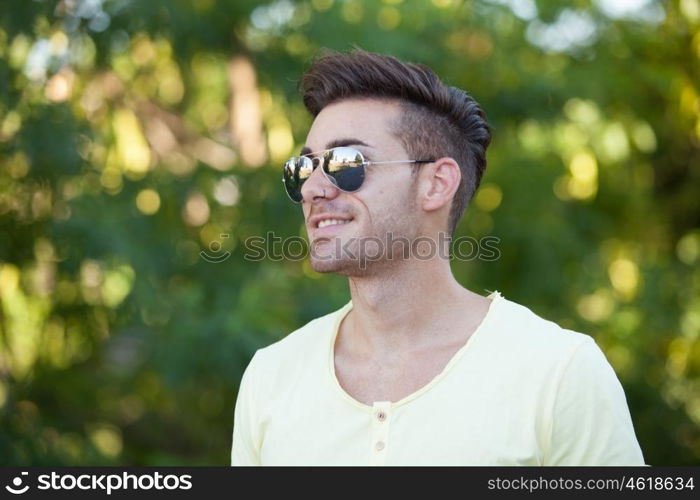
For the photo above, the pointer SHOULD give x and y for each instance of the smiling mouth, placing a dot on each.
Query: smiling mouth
(332, 222)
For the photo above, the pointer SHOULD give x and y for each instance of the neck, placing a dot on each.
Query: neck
(407, 305)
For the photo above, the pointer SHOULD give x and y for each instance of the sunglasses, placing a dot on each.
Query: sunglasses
(342, 166)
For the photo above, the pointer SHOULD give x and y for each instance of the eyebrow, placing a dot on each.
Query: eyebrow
(338, 143)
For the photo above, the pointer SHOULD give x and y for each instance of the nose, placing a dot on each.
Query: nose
(317, 187)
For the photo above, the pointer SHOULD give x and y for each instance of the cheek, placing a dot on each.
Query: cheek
(385, 211)
(386, 207)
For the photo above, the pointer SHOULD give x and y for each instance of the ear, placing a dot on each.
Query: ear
(440, 181)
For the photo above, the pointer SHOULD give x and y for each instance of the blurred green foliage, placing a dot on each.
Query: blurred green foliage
(134, 134)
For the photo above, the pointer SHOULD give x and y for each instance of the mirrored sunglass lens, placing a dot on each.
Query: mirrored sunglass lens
(345, 166)
(296, 171)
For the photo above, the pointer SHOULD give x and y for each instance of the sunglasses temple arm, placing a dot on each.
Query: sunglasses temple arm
(397, 162)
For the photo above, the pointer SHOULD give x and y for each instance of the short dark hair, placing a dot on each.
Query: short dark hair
(437, 120)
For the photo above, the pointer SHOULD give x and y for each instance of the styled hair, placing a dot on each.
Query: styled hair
(436, 121)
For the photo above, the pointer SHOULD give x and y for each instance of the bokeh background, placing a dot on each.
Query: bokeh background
(136, 134)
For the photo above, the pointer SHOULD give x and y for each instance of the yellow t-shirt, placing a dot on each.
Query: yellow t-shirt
(521, 391)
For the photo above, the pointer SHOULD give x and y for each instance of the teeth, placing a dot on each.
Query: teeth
(331, 222)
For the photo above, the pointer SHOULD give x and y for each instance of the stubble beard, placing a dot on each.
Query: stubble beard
(361, 256)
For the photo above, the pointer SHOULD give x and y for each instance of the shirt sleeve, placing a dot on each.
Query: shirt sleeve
(591, 423)
(245, 448)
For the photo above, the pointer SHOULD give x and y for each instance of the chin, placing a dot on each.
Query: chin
(327, 263)
(348, 267)
(328, 266)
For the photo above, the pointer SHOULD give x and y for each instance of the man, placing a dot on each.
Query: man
(415, 369)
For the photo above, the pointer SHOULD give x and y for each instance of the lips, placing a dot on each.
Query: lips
(331, 222)
(327, 226)
(328, 220)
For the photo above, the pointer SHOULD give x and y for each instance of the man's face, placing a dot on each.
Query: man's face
(384, 205)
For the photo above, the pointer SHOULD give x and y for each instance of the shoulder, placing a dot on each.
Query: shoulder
(583, 410)
(525, 332)
(537, 353)
(307, 341)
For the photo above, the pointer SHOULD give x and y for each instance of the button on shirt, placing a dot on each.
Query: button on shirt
(521, 391)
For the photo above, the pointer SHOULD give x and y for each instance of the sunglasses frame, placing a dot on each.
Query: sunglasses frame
(317, 161)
